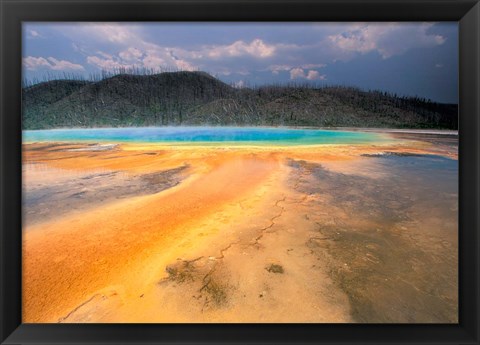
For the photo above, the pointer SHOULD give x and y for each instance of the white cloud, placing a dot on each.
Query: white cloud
(184, 65)
(134, 47)
(276, 69)
(104, 55)
(257, 48)
(158, 57)
(388, 39)
(153, 62)
(354, 40)
(111, 32)
(299, 73)
(155, 58)
(80, 49)
(130, 49)
(32, 34)
(108, 64)
(131, 54)
(439, 65)
(64, 65)
(33, 63)
(314, 75)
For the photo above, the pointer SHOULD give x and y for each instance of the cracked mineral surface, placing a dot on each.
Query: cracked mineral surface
(165, 233)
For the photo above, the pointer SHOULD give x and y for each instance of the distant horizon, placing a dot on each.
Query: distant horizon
(408, 59)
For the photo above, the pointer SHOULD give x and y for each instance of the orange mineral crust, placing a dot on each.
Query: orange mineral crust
(164, 233)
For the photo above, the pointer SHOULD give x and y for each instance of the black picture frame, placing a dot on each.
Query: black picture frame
(14, 12)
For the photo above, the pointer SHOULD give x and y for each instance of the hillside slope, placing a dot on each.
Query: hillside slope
(196, 98)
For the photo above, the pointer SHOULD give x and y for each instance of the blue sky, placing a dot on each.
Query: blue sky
(414, 59)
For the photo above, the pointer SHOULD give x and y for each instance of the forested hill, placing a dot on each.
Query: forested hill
(197, 98)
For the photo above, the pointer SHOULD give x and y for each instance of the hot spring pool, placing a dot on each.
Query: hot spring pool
(205, 136)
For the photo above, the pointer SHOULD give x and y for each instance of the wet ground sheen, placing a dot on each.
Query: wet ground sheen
(389, 240)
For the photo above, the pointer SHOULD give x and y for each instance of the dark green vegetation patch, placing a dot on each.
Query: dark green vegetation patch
(197, 98)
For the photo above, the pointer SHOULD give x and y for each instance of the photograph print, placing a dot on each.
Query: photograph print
(247, 172)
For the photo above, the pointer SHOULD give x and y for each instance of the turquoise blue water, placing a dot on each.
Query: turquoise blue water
(204, 135)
